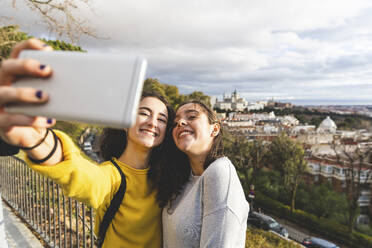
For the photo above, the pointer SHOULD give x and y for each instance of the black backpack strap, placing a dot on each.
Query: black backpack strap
(113, 208)
(7, 150)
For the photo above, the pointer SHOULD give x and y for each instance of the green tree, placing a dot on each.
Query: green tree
(237, 148)
(325, 202)
(175, 98)
(218, 110)
(63, 46)
(358, 173)
(257, 153)
(269, 183)
(303, 197)
(247, 156)
(288, 158)
(152, 84)
(171, 93)
(349, 123)
(9, 36)
(200, 96)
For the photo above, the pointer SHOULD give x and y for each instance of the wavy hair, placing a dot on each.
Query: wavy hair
(114, 141)
(175, 170)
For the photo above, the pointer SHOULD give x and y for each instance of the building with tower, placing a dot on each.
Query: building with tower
(232, 102)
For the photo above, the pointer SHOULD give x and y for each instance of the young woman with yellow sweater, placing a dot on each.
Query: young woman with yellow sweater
(137, 151)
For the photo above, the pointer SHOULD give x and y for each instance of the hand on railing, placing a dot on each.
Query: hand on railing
(22, 130)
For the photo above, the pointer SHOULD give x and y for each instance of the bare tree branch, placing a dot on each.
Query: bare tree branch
(61, 17)
(356, 165)
(41, 2)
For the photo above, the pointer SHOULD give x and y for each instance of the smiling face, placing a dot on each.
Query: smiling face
(193, 134)
(150, 128)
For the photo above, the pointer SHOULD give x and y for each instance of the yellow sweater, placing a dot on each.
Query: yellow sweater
(138, 220)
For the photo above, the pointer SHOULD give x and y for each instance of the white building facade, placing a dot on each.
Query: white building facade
(236, 103)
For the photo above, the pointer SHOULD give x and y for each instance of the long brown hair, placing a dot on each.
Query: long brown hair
(114, 141)
(216, 150)
(176, 169)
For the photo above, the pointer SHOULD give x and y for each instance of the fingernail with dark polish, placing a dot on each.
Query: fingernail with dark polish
(42, 67)
(45, 45)
(39, 94)
(50, 121)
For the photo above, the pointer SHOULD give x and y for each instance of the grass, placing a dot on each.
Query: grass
(257, 238)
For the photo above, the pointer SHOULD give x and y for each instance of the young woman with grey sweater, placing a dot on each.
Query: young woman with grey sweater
(206, 205)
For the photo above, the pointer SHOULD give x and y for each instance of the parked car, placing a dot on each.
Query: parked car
(87, 146)
(317, 243)
(266, 223)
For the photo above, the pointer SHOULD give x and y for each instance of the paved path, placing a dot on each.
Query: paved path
(298, 233)
(17, 233)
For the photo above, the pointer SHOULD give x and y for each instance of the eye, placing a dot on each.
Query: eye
(191, 117)
(144, 113)
(162, 120)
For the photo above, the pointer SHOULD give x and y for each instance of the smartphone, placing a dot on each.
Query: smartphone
(96, 88)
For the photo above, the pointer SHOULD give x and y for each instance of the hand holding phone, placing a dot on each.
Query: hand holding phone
(96, 88)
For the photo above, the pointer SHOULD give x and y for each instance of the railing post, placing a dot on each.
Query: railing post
(28, 194)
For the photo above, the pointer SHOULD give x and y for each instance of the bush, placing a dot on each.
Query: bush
(365, 229)
(256, 238)
(325, 202)
(331, 229)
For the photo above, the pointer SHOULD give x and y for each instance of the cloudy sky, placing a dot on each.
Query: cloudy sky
(306, 52)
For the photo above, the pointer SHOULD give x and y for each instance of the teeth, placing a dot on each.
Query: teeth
(149, 132)
(185, 132)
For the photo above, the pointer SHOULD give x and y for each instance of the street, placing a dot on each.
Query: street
(297, 233)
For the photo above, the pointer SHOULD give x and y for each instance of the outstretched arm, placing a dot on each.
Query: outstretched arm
(22, 130)
(79, 177)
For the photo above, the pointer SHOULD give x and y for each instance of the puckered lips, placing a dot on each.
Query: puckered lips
(149, 132)
(184, 132)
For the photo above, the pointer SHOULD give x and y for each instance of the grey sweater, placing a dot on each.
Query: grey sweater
(211, 211)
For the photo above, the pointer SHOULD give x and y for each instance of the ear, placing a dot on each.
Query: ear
(216, 129)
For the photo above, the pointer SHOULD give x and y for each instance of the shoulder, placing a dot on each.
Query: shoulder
(110, 167)
(221, 167)
(222, 186)
(107, 163)
(217, 178)
(220, 171)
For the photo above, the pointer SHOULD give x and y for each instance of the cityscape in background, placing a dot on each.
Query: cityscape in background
(291, 85)
(324, 144)
(234, 102)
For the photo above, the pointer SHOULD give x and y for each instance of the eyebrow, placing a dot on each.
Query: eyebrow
(148, 109)
(188, 111)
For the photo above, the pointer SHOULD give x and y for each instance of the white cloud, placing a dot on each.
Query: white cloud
(262, 48)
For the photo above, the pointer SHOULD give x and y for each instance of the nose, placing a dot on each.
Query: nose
(182, 122)
(152, 121)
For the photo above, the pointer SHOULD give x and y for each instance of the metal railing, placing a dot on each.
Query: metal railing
(60, 221)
